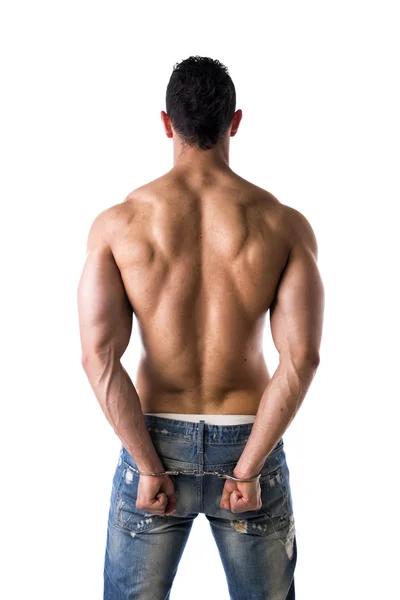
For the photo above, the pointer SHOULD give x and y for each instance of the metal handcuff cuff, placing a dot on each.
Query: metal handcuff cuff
(222, 475)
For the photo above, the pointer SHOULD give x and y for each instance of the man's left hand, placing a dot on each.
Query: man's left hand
(156, 494)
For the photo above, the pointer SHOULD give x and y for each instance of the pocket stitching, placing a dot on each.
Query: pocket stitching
(286, 510)
(271, 474)
(120, 503)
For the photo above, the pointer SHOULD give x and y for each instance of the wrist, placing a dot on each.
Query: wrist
(149, 464)
(156, 467)
(244, 470)
(246, 473)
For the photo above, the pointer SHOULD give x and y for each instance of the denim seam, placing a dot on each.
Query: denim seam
(215, 466)
(223, 467)
(178, 438)
(195, 465)
(159, 520)
(118, 497)
(112, 581)
(166, 438)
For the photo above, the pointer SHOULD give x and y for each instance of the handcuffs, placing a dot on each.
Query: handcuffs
(222, 475)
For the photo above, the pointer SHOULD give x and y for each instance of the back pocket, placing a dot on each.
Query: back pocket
(273, 518)
(275, 494)
(126, 514)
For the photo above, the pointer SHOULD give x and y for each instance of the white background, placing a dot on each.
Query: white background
(83, 84)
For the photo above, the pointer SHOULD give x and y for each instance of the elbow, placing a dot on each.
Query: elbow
(90, 359)
(304, 362)
(312, 360)
(86, 360)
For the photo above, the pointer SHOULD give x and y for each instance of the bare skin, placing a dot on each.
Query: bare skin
(199, 256)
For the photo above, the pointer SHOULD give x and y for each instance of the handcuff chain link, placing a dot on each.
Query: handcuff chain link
(221, 475)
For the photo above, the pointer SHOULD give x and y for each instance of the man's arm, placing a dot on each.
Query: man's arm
(105, 321)
(296, 318)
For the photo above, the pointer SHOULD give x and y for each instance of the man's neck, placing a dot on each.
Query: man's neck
(191, 157)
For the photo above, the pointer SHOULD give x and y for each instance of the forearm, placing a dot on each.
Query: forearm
(120, 403)
(279, 404)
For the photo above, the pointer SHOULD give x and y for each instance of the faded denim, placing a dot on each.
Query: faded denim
(257, 548)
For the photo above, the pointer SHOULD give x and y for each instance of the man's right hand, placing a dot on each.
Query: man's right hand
(241, 496)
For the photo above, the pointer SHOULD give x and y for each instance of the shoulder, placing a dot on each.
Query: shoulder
(292, 224)
(299, 230)
(288, 221)
(107, 223)
(110, 225)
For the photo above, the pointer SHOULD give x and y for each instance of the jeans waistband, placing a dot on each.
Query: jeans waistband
(191, 431)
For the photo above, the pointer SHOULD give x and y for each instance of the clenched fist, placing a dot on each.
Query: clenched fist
(241, 496)
(156, 495)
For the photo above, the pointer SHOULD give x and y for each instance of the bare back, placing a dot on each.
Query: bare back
(200, 262)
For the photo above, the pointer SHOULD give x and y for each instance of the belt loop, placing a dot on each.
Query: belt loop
(200, 442)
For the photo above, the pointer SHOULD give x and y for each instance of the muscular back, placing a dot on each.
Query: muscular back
(200, 262)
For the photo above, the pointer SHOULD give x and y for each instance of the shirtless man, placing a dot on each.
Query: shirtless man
(199, 256)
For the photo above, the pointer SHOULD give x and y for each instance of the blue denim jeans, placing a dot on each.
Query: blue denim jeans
(257, 548)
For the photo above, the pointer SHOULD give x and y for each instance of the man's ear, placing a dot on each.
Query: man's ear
(237, 117)
(167, 124)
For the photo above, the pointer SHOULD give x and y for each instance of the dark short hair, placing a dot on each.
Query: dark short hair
(200, 100)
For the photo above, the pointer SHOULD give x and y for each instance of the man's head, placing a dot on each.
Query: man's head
(200, 103)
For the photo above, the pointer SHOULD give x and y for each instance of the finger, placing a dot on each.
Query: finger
(225, 498)
(161, 500)
(157, 505)
(171, 506)
(237, 502)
